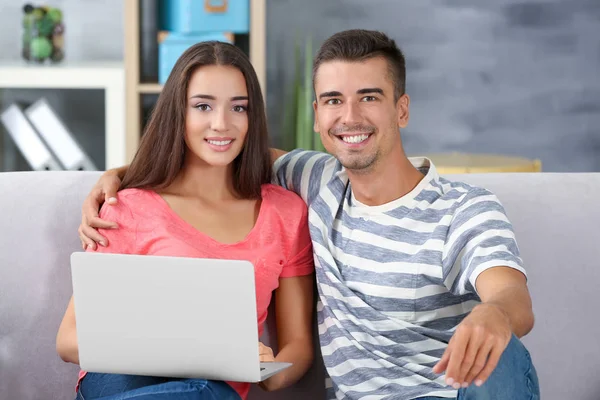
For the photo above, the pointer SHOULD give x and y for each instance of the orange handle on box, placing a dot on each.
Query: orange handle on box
(215, 8)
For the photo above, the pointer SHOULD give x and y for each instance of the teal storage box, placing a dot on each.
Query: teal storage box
(200, 16)
(172, 45)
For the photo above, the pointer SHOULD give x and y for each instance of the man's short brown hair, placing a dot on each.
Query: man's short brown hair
(360, 45)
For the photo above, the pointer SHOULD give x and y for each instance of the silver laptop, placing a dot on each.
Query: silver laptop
(168, 316)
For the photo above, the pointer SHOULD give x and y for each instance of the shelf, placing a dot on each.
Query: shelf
(109, 76)
(135, 87)
(150, 88)
(83, 75)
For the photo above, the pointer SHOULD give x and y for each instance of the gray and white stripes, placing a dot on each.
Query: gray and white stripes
(394, 280)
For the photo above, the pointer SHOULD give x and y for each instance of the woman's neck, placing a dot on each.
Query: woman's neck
(198, 179)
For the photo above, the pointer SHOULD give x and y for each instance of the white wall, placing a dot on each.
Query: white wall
(93, 28)
(93, 31)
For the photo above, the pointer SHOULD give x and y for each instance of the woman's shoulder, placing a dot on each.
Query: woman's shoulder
(134, 195)
(282, 197)
(129, 202)
(284, 202)
(287, 220)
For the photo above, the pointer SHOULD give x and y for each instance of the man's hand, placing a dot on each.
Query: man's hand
(104, 190)
(476, 347)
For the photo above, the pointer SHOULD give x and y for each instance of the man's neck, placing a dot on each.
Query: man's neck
(388, 181)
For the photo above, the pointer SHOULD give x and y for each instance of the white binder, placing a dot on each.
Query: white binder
(58, 138)
(27, 140)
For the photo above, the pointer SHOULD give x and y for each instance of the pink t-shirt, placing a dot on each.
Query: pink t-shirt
(279, 245)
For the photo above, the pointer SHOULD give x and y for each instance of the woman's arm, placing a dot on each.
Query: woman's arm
(122, 241)
(294, 309)
(66, 339)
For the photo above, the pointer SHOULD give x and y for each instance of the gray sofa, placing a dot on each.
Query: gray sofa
(555, 216)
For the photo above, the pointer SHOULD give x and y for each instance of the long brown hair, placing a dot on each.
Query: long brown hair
(162, 150)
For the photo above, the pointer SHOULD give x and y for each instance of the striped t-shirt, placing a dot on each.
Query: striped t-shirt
(394, 280)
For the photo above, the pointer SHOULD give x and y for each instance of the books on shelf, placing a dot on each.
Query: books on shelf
(27, 140)
(43, 138)
(58, 138)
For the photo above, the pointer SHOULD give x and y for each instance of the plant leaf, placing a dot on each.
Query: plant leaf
(307, 114)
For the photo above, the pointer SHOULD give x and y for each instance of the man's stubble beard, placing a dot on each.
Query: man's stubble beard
(361, 165)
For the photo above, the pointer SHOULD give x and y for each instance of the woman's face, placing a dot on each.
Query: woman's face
(217, 114)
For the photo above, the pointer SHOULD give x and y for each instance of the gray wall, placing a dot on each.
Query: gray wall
(502, 76)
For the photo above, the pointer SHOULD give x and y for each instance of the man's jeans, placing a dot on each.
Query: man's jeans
(122, 387)
(514, 378)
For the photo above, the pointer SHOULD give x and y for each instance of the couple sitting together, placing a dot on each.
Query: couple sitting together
(422, 293)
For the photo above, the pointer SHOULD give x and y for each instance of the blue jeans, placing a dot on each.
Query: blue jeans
(514, 378)
(122, 387)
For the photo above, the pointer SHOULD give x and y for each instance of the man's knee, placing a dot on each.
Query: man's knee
(513, 378)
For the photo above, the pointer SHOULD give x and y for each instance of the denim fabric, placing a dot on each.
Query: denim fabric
(514, 378)
(97, 386)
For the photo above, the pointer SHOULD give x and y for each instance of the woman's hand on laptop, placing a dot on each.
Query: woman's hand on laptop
(265, 353)
(104, 190)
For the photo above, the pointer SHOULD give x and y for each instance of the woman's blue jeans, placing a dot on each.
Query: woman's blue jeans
(123, 387)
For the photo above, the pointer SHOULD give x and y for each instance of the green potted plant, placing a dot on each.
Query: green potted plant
(298, 110)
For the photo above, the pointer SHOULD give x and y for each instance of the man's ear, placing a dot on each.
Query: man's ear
(316, 125)
(402, 107)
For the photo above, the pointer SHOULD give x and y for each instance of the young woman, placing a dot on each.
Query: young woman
(199, 187)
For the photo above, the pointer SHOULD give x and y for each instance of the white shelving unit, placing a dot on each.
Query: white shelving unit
(121, 80)
(109, 76)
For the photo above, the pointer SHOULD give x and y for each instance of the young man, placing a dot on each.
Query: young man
(422, 290)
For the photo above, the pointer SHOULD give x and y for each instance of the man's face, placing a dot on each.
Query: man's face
(355, 112)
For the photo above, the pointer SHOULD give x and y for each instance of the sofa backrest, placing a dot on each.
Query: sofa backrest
(554, 215)
(40, 213)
